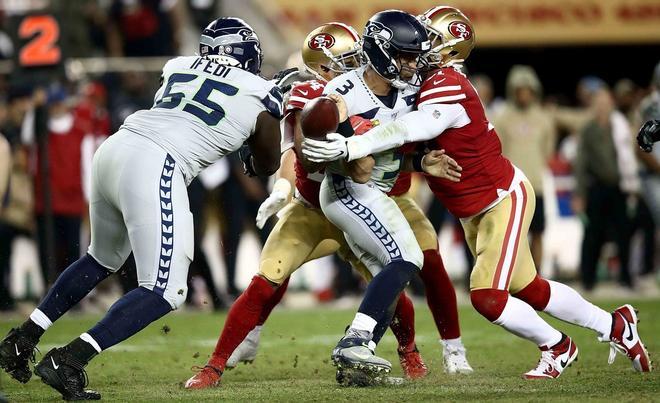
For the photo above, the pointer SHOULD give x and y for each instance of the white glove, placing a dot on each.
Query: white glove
(333, 148)
(274, 202)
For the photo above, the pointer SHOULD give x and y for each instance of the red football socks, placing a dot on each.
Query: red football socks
(403, 323)
(243, 316)
(440, 295)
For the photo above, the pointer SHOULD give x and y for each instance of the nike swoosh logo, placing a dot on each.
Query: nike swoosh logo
(564, 362)
(438, 82)
(17, 352)
(362, 356)
(630, 332)
(304, 92)
(54, 365)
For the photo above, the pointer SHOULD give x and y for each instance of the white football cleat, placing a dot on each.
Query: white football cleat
(246, 352)
(455, 358)
(624, 339)
(554, 360)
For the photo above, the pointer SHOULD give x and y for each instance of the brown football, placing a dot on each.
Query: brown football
(319, 117)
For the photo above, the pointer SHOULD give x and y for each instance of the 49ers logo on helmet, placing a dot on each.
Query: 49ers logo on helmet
(460, 30)
(322, 40)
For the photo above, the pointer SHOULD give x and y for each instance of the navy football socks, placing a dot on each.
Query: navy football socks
(380, 298)
(130, 314)
(71, 286)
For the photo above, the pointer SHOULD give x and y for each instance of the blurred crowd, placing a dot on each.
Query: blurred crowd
(49, 135)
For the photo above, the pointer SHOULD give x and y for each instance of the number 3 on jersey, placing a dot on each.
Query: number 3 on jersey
(171, 100)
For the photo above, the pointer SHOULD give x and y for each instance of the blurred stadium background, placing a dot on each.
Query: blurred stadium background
(71, 71)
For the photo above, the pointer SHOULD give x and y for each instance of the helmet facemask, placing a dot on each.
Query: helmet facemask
(393, 41)
(340, 63)
(397, 65)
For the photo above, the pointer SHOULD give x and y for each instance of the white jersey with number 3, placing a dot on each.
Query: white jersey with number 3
(203, 111)
(361, 101)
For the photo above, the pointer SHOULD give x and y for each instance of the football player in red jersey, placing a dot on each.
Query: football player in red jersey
(440, 293)
(495, 203)
(302, 233)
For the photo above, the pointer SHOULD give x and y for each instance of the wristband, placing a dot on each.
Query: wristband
(417, 162)
(345, 128)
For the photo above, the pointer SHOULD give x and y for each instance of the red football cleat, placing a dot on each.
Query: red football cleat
(207, 377)
(554, 360)
(413, 364)
(625, 339)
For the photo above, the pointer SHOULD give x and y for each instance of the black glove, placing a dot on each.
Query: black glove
(648, 134)
(283, 78)
(246, 156)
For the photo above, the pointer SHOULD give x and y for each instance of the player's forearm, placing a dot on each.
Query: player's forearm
(420, 125)
(286, 174)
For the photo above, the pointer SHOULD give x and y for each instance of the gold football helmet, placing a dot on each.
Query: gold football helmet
(331, 47)
(451, 34)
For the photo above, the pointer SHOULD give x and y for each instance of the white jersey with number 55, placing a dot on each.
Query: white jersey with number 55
(203, 111)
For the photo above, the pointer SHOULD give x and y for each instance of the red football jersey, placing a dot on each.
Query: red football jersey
(402, 184)
(308, 184)
(475, 147)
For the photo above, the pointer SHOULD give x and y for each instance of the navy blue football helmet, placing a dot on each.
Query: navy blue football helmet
(232, 41)
(387, 37)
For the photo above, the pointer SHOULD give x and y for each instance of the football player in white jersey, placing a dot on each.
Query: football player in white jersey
(373, 225)
(207, 107)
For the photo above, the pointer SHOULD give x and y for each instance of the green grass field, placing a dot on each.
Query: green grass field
(293, 363)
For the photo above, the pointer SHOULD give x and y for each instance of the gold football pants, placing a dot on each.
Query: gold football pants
(498, 241)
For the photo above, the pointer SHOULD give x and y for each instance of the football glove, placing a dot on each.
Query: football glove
(285, 78)
(334, 147)
(649, 134)
(246, 156)
(274, 202)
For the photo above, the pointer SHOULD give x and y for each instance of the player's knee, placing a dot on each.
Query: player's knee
(176, 298)
(489, 302)
(416, 257)
(111, 262)
(432, 262)
(536, 293)
(274, 270)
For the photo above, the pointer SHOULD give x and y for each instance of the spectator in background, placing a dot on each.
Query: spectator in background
(627, 101)
(200, 10)
(133, 94)
(650, 109)
(6, 301)
(16, 216)
(528, 136)
(626, 97)
(484, 86)
(144, 27)
(16, 206)
(606, 175)
(67, 128)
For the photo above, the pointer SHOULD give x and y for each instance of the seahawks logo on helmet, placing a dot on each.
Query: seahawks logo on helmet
(248, 35)
(375, 28)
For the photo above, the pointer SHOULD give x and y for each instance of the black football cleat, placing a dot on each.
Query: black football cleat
(16, 351)
(64, 373)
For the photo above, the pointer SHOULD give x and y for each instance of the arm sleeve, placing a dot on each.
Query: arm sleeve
(273, 102)
(420, 125)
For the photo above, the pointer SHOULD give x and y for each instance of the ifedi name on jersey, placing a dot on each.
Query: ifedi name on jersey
(209, 66)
